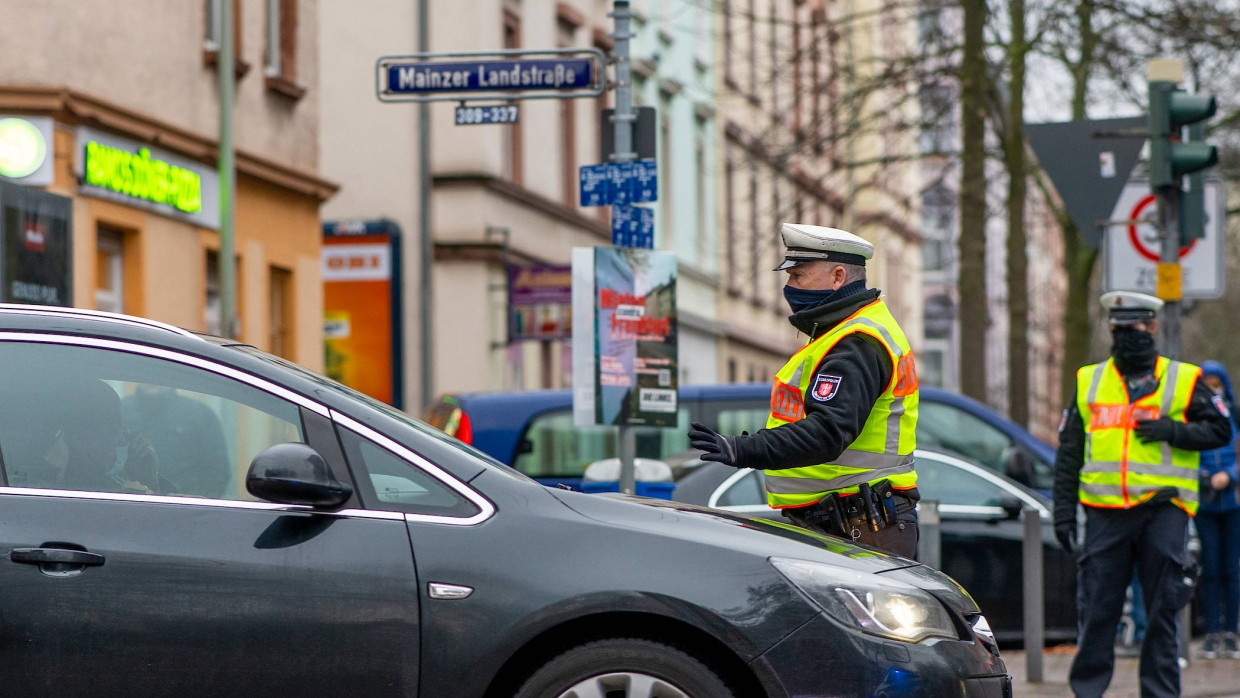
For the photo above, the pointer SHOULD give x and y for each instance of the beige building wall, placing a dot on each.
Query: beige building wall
(139, 71)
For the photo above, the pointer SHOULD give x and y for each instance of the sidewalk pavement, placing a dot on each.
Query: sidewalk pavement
(1203, 678)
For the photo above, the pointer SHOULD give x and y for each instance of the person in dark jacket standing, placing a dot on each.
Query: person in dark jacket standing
(1129, 445)
(838, 444)
(1218, 528)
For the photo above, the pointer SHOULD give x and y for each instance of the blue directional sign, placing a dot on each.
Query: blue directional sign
(595, 185)
(511, 74)
(645, 181)
(632, 226)
(619, 183)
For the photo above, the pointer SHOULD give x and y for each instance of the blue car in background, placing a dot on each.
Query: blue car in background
(533, 431)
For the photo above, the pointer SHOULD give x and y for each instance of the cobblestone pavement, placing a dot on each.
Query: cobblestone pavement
(1202, 678)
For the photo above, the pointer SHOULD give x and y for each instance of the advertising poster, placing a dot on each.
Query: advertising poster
(628, 298)
(540, 302)
(37, 242)
(361, 314)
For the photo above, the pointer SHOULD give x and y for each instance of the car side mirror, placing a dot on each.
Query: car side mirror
(294, 473)
(1011, 507)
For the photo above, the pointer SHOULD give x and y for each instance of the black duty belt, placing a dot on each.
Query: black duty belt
(874, 507)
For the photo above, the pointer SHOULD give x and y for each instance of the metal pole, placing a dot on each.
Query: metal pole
(1035, 618)
(1170, 285)
(622, 121)
(427, 247)
(227, 174)
(929, 544)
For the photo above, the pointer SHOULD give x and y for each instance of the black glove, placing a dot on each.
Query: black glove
(718, 448)
(1161, 429)
(1065, 532)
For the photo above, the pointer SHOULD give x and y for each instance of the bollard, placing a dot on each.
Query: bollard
(929, 543)
(1034, 621)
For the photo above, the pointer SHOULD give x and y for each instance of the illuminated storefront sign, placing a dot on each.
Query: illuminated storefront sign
(122, 170)
(137, 175)
(25, 149)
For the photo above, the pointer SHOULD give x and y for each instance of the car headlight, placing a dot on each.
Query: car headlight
(868, 602)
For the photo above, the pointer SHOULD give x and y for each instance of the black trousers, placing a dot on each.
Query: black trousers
(1154, 537)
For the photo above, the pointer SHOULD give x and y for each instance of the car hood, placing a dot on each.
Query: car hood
(762, 537)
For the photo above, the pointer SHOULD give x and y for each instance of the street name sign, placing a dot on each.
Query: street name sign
(552, 74)
(1131, 251)
(632, 226)
(618, 183)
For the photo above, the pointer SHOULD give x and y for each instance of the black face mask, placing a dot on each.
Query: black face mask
(1133, 349)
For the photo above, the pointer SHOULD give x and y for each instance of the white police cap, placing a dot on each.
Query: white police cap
(1130, 307)
(811, 243)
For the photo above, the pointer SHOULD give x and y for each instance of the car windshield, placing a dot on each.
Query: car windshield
(350, 393)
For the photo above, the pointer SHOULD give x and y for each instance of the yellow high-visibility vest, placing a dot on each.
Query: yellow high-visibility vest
(1121, 471)
(883, 449)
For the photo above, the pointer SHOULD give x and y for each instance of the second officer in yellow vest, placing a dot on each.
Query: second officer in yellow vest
(1128, 452)
(838, 447)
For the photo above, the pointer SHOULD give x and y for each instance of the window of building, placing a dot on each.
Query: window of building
(211, 310)
(512, 40)
(666, 197)
(110, 269)
(754, 234)
(938, 119)
(729, 227)
(280, 313)
(702, 243)
(281, 58)
(211, 36)
(752, 25)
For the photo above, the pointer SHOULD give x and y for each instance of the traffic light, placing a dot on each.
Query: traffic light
(1171, 109)
(1193, 199)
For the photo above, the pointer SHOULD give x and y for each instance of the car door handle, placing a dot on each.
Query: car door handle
(43, 556)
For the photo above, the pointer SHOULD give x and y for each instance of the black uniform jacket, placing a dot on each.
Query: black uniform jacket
(1206, 428)
(863, 369)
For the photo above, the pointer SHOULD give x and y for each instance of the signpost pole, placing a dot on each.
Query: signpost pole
(228, 175)
(426, 248)
(1170, 285)
(622, 121)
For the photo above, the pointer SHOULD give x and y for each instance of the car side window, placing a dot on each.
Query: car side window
(557, 448)
(92, 419)
(946, 427)
(951, 485)
(745, 491)
(734, 421)
(391, 483)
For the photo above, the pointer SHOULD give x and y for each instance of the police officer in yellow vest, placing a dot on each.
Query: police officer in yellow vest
(1128, 451)
(838, 444)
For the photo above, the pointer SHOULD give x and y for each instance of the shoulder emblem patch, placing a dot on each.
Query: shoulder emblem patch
(1221, 405)
(825, 386)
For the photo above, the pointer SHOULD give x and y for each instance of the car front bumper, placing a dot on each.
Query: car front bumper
(823, 658)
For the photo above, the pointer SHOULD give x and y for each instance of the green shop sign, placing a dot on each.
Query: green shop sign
(134, 173)
(137, 175)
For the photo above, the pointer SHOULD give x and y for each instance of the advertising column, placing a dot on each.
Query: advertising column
(361, 307)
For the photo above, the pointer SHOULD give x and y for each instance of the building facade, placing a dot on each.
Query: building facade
(505, 197)
(815, 132)
(125, 100)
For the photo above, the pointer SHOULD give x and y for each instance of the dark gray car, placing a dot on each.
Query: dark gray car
(351, 550)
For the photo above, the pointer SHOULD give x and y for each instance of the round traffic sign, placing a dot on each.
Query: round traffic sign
(1149, 248)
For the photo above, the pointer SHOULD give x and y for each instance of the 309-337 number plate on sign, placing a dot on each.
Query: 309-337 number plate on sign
(494, 114)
